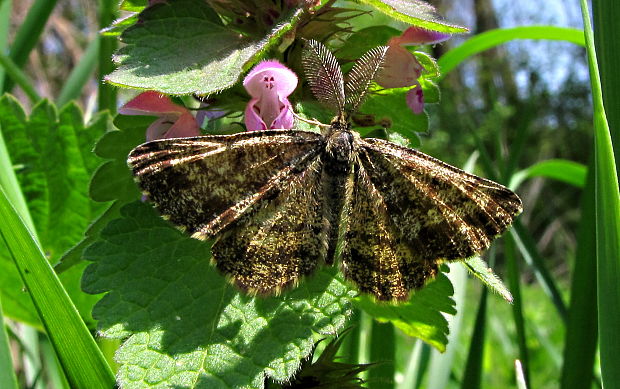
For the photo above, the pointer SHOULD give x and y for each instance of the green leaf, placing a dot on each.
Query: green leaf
(51, 154)
(484, 273)
(431, 69)
(489, 39)
(570, 172)
(364, 39)
(81, 359)
(185, 325)
(431, 91)
(391, 105)
(182, 48)
(417, 13)
(133, 5)
(112, 180)
(422, 315)
(119, 25)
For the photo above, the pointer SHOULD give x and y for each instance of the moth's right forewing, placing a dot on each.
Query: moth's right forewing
(442, 211)
(202, 184)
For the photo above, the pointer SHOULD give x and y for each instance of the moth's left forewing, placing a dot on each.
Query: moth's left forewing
(202, 184)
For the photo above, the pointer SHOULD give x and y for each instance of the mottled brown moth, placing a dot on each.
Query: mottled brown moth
(281, 203)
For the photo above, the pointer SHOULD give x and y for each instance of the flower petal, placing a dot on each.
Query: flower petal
(151, 103)
(415, 35)
(172, 127)
(415, 99)
(184, 127)
(272, 74)
(285, 119)
(253, 122)
(400, 69)
(158, 128)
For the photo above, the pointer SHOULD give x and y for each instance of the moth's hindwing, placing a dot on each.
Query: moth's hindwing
(284, 240)
(373, 254)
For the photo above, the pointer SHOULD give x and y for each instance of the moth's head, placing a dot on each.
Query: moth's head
(330, 87)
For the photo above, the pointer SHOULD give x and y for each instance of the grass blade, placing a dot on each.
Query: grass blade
(569, 172)
(29, 33)
(416, 366)
(606, 14)
(472, 377)
(382, 352)
(14, 73)
(526, 245)
(607, 219)
(107, 93)
(489, 39)
(7, 373)
(517, 308)
(79, 355)
(582, 326)
(5, 24)
(80, 74)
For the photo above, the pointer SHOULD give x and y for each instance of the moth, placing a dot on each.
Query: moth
(281, 203)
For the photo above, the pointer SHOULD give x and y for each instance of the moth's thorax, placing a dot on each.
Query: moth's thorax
(340, 146)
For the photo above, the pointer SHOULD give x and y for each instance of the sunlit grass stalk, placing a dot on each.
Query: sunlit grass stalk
(607, 208)
(82, 361)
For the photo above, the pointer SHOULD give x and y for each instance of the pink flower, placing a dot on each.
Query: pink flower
(269, 84)
(402, 69)
(175, 121)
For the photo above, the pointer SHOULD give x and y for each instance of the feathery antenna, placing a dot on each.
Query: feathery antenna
(361, 76)
(324, 74)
